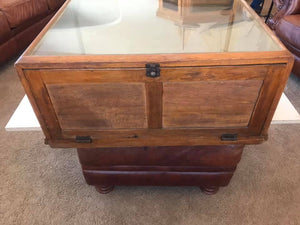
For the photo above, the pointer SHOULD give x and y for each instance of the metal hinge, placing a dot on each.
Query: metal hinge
(229, 137)
(152, 70)
(83, 139)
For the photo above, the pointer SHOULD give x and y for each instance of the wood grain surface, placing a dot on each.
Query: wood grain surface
(99, 106)
(209, 103)
(122, 107)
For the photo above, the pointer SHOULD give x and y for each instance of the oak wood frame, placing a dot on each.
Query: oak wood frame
(152, 137)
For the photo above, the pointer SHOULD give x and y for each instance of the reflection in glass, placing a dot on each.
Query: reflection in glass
(171, 4)
(91, 13)
(147, 27)
(192, 13)
(196, 11)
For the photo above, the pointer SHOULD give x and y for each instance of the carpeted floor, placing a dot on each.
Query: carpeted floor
(40, 185)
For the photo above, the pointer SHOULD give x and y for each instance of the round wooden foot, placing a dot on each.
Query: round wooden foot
(210, 190)
(104, 189)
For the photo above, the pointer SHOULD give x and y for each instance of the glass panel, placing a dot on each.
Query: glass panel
(146, 27)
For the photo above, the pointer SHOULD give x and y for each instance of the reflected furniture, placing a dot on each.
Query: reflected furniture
(286, 25)
(192, 12)
(144, 107)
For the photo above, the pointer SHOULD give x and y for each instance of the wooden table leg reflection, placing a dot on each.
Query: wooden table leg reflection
(208, 167)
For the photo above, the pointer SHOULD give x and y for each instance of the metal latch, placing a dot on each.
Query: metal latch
(83, 139)
(229, 137)
(152, 70)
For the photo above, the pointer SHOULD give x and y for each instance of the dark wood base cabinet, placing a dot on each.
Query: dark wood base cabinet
(207, 167)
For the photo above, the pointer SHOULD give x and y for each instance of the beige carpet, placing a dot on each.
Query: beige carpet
(40, 185)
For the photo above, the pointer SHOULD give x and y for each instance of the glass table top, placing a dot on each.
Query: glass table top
(103, 27)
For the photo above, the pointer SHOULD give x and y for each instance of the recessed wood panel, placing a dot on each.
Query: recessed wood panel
(154, 104)
(99, 106)
(209, 103)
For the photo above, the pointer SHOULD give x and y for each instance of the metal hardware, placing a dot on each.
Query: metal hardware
(152, 70)
(229, 137)
(83, 139)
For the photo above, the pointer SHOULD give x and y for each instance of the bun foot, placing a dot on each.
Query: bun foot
(104, 189)
(210, 190)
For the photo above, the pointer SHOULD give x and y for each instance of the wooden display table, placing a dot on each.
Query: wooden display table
(147, 104)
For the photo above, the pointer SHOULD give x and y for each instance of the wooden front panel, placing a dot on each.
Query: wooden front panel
(123, 107)
(99, 105)
(209, 103)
